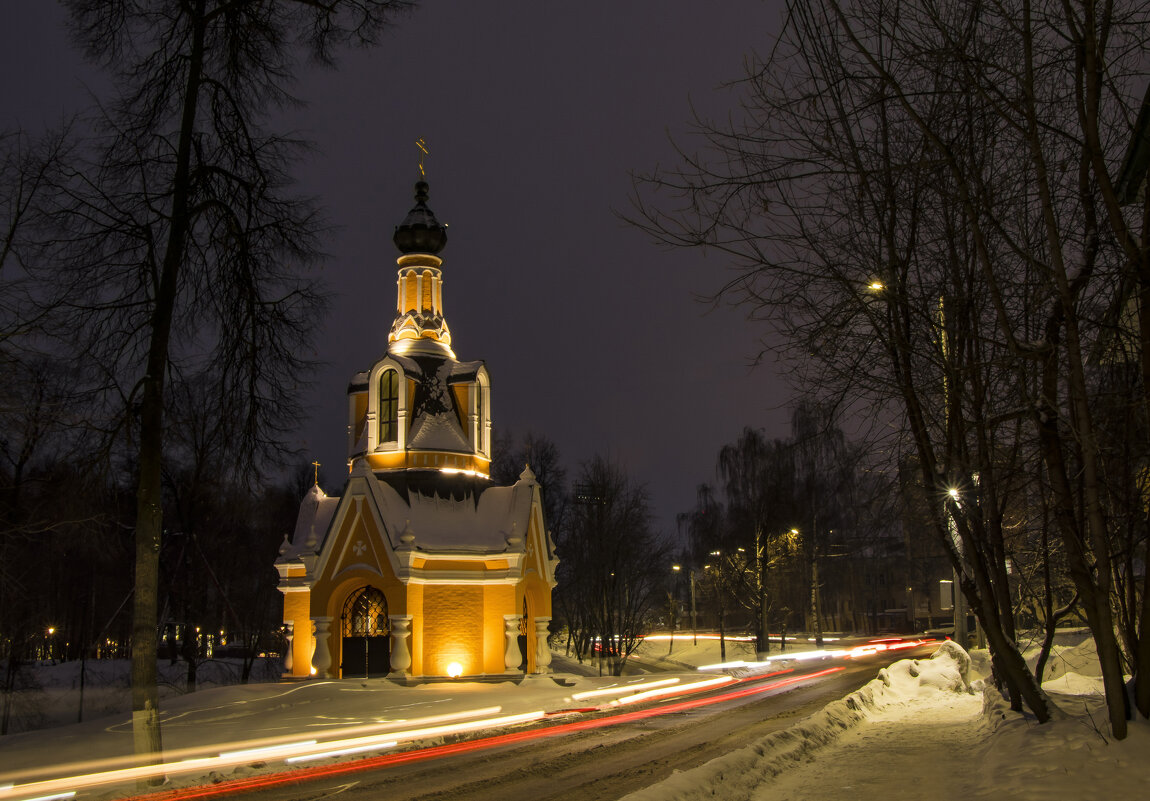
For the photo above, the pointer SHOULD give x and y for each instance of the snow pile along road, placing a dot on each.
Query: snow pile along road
(945, 677)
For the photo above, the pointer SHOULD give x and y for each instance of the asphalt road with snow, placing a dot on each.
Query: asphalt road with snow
(591, 756)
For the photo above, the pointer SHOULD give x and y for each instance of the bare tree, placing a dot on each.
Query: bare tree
(758, 481)
(613, 565)
(541, 454)
(178, 241)
(851, 236)
(1047, 80)
(917, 197)
(28, 169)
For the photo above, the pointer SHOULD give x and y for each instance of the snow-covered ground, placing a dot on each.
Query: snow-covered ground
(59, 693)
(921, 728)
(924, 729)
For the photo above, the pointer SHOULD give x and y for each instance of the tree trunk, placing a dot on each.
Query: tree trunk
(762, 635)
(1051, 623)
(1142, 665)
(149, 493)
(722, 626)
(816, 627)
(1089, 563)
(764, 608)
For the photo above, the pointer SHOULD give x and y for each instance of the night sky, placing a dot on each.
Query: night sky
(536, 114)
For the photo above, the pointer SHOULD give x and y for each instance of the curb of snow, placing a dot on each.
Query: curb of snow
(737, 775)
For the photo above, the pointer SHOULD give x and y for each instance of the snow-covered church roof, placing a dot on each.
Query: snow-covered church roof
(428, 511)
(434, 512)
(315, 514)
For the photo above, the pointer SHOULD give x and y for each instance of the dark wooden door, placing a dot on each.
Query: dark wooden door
(364, 657)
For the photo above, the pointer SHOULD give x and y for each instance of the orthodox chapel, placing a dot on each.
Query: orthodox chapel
(422, 567)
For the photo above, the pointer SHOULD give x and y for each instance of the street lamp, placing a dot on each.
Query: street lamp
(959, 612)
(694, 620)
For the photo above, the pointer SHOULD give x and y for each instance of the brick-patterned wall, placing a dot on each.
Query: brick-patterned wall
(499, 600)
(452, 629)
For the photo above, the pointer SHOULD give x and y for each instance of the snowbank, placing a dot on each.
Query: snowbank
(738, 774)
(1073, 757)
(1072, 668)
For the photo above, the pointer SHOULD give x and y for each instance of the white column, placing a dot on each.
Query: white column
(511, 657)
(289, 638)
(310, 642)
(542, 651)
(321, 659)
(400, 653)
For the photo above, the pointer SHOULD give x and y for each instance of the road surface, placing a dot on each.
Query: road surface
(591, 757)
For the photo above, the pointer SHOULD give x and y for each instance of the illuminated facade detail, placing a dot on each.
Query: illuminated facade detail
(512, 658)
(321, 657)
(542, 651)
(288, 654)
(400, 652)
(422, 567)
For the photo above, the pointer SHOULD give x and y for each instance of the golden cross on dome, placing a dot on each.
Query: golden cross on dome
(316, 465)
(421, 143)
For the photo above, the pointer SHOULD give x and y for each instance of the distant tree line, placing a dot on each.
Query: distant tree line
(787, 518)
(66, 541)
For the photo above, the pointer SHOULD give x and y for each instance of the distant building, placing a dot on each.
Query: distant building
(421, 567)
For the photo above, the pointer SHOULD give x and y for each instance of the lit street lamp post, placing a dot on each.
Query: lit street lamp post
(717, 580)
(694, 619)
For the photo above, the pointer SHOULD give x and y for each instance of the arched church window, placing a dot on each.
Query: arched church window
(481, 412)
(389, 406)
(365, 614)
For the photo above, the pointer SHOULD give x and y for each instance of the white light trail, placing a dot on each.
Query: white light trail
(801, 656)
(622, 689)
(680, 688)
(360, 744)
(266, 751)
(343, 752)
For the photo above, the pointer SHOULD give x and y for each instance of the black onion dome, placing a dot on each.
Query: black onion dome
(420, 232)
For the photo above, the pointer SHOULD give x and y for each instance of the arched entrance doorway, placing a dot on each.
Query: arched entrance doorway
(366, 648)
